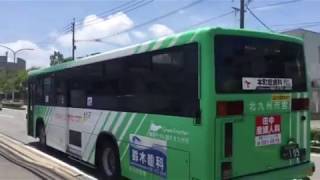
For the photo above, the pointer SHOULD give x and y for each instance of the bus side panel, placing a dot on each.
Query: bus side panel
(171, 135)
(56, 128)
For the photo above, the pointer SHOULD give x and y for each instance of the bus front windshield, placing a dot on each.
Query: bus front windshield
(244, 64)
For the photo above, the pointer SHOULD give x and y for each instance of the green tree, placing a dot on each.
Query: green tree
(14, 81)
(56, 58)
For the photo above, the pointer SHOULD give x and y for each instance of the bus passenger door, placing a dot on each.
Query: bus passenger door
(75, 121)
(31, 97)
(57, 123)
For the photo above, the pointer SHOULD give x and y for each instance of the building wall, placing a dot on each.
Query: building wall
(312, 51)
(312, 54)
(10, 66)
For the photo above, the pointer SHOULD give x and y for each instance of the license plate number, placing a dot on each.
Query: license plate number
(291, 151)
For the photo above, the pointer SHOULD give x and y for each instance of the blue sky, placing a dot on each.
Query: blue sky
(38, 24)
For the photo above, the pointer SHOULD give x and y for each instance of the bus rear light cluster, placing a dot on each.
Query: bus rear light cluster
(228, 108)
(300, 104)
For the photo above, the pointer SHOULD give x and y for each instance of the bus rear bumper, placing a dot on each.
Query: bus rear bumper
(294, 172)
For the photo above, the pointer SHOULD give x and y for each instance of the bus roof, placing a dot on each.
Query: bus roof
(164, 42)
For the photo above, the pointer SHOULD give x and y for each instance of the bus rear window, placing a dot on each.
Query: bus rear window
(245, 64)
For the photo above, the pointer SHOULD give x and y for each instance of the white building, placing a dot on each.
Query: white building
(312, 54)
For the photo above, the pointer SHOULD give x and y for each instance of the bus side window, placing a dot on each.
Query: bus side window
(39, 97)
(77, 98)
(48, 90)
(61, 92)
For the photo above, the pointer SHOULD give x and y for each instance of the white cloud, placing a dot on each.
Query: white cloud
(159, 30)
(139, 35)
(94, 27)
(37, 57)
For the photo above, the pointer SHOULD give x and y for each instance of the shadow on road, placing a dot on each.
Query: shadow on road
(64, 157)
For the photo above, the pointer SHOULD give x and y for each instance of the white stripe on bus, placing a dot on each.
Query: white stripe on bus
(194, 36)
(158, 44)
(124, 132)
(135, 132)
(118, 123)
(174, 41)
(92, 139)
(305, 123)
(110, 121)
(298, 123)
(143, 48)
(101, 122)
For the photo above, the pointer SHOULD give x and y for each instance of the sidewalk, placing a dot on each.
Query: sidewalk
(35, 161)
(315, 124)
(10, 170)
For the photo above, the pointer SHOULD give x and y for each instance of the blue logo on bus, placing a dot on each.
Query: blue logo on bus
(145, 154)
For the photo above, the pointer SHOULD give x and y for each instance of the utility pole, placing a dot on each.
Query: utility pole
(242, 11)
(73, 40)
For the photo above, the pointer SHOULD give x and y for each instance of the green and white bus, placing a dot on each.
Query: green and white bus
(210, 103)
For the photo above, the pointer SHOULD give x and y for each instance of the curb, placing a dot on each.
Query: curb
(38, 162)
(315, 149)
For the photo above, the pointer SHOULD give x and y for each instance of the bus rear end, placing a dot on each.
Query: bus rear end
(262, 106)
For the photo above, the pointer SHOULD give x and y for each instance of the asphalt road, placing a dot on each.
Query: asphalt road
(13, 124)
(10, 124)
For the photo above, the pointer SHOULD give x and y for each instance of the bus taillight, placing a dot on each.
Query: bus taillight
(227, 108)
(300, 104)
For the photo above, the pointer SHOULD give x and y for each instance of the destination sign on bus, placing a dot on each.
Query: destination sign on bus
(249, 83)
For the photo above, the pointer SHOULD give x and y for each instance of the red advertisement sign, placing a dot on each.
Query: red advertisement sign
(268, 130)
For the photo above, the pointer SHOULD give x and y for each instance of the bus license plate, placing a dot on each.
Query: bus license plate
(291, 151)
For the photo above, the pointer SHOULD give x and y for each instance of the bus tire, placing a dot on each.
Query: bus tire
(109, 161)
(42, 136)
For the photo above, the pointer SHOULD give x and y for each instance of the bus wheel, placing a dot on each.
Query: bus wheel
(42, 137)
(109, 162)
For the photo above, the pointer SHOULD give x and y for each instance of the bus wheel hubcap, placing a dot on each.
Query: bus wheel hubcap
(109, 161)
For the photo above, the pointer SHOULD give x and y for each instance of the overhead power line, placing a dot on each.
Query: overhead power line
(258, 19)
(115, 9)
(126, 6)
(297, 24)
(305, 26)
(208, 20)
(276, 4)
(151, 20)
(128, 9)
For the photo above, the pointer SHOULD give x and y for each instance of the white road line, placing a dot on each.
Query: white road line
(7, 116)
